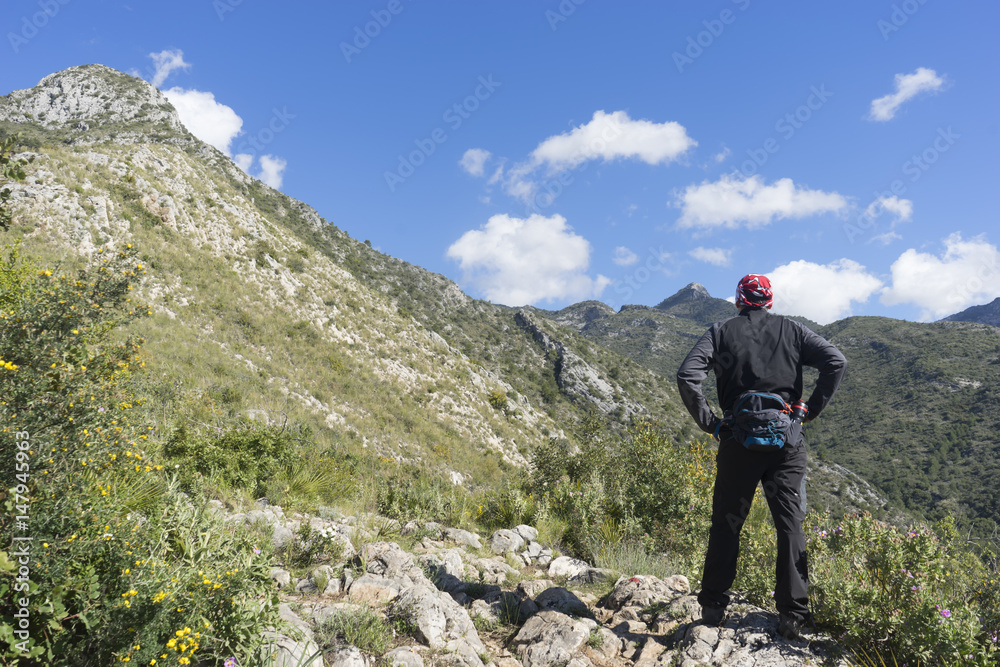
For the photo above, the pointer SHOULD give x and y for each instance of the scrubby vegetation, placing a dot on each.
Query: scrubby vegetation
(110, 562)
(133, 419)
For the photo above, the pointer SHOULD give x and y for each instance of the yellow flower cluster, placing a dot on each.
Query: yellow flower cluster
(185, 643)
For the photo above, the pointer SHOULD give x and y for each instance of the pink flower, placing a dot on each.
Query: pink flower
(946, 613)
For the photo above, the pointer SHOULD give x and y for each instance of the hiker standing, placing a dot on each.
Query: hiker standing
(756, 355)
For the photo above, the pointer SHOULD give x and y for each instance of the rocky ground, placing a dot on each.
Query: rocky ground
(503, 601)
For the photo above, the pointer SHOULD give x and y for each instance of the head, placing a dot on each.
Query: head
(754, 291)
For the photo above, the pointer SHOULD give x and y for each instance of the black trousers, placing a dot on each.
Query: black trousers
(782, 476)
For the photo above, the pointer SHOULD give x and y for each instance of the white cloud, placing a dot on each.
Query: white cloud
(967, 274)
(272, 170)
(614, 136)
(606, 137)
(722, 155)
(715, 256)
(901, 209)
(822, 293)
(165, 63)
(212, 122)
(518, 261)
(624, 256)
(908, 86)
(731, 202)
(244, 161)
(473, 160)
(886, 238)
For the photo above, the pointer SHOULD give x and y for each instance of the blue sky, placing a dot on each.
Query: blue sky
(554, 151)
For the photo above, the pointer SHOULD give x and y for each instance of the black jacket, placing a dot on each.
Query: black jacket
(760, 351)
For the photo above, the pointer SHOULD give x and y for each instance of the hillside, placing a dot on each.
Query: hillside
(915, 416)
(262, 309)
(986, 314)
(245, 438)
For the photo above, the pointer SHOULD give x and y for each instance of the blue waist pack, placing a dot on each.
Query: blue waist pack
(760, 421)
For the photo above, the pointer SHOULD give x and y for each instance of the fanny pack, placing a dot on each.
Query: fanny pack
(760, 421)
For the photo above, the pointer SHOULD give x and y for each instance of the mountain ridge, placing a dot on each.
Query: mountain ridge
(470, 373)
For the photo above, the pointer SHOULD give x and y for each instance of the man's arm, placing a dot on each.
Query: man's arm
(690, 375)
(822, 354)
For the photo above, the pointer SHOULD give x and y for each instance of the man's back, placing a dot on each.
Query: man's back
(760, 351)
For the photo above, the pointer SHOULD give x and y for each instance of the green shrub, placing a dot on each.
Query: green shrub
(498, 400)
(245, 457)
(911, 594)
(506, 507)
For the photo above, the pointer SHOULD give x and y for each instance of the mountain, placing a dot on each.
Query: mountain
(262, 309)
(916, 415)
(985, 314)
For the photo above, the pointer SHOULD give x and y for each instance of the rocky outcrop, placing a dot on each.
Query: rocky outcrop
(447, 592)
(575, 376)
(91, 103)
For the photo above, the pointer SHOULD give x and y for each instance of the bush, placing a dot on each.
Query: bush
(122, 566)
(245, 457)
(911, 595)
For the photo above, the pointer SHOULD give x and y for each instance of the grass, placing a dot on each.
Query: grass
(370, 631)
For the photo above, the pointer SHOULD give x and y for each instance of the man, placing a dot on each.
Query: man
(765, 353)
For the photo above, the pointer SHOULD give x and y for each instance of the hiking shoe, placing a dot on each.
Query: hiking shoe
(788, 627)
(713, 616)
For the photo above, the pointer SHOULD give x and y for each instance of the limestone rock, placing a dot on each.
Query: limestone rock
(550, 638)
(564, 566)
(504, 541)
(441, 623)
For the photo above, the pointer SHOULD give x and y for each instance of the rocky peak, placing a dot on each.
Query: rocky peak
(691, 292)
(90, 103)
(985, 314)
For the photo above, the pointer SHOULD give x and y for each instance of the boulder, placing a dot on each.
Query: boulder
(404, 656)
(564, 566)
(281, 578)
(527, 533)
(346, 656)
(506, 541)
(561, 599)
(550, 638)
(441, 623)
(462, 537)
